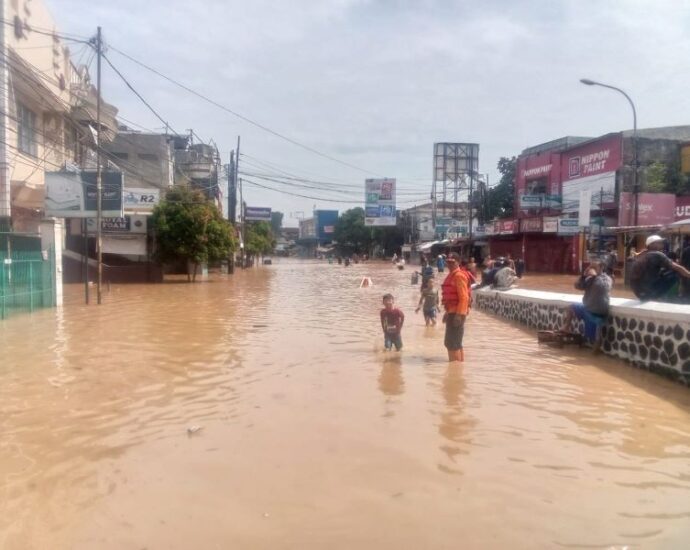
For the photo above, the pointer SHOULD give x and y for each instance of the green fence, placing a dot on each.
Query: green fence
(26, 280)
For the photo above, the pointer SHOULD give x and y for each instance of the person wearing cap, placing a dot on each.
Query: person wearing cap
(654, 274)
(455, 292)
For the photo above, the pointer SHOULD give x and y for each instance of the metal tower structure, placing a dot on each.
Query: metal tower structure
(455, 176)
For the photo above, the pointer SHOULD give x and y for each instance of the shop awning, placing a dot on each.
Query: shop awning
(634, 228)
(679, 227)
(426, 247)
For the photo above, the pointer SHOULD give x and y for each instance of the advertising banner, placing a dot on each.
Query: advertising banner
(532, 201)
(134, 224)
(74, 194)
(257, 214)
(682, 211)
(568, 226)
(585, 208)
(591, 167)
(531, 225)
(140, 199)
(505, 227)
(652, 209)
(379, 202)
(550, 224)
(539, 174)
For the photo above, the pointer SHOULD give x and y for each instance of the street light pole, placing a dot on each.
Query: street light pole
(636, 190)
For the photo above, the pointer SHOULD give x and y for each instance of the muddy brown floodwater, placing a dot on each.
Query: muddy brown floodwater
(312, 437)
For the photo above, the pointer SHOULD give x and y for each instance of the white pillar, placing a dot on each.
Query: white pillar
(52, 235)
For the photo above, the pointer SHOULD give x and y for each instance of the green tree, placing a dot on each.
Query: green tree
(259, 239)
(276, 222)
(351, 234)
(501, 198)
(656, 177)
(190, 228)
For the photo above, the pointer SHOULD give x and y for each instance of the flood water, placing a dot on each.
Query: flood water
(310, 436)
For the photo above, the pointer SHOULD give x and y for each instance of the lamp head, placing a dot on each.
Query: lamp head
(587, 81)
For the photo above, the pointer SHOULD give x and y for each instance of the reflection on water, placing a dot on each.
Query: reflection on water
(312, 436)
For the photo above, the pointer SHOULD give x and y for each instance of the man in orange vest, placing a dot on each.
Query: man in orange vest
(456, 300)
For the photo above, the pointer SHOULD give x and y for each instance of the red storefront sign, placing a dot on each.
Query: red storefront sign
(590, 159)
(531, 225)
(682, 211)
(652, 209)
(538, 175)
(505, 227)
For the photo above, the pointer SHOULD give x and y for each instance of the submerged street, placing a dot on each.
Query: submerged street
(260, 411)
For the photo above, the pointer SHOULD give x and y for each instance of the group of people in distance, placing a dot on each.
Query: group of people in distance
(456, 298)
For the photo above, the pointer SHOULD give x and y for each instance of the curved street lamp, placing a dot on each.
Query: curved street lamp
(636, 190)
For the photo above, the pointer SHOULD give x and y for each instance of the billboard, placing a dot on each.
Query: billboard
(591, 167)
(257, 214)
(140, 199)
(652, 209)
(379, 201)
(74, 195)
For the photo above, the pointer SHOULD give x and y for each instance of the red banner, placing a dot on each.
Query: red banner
(682, 211)
(592, 158)
(652, 209)
(505, 227)
(531, 225)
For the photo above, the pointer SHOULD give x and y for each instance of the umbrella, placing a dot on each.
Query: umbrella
(681, 227)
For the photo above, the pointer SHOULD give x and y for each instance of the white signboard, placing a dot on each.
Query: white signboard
(568, 226)
(141, 199)
(550, 225)
(379, 201)
(74, 195)
(585, 207)
(601, 186)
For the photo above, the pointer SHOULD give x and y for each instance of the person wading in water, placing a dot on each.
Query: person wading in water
(455, 292)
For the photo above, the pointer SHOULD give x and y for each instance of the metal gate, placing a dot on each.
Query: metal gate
(27, 277)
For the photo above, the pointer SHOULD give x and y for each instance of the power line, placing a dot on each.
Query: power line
(134, 91)
(240, 116)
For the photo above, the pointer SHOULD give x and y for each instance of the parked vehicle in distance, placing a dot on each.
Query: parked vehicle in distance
(268, 261)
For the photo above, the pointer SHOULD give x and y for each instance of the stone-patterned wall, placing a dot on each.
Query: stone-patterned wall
(659, 343)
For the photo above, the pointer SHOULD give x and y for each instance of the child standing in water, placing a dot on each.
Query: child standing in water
(429, 299)
(392, 320)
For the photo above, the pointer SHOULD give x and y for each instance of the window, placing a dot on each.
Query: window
(148, 157)
(122, 156)
(26, 133)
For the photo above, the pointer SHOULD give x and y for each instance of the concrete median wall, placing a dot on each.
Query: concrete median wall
(651, 335)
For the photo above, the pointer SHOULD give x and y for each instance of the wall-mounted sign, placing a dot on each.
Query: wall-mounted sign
(652, 209)
(74, 194)
(550, 224)
(140, 199)
(568, 226)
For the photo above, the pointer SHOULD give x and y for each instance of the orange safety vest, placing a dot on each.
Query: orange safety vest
(449, 290)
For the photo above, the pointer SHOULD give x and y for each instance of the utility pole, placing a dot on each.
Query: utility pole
(99, 176)
(5, 186)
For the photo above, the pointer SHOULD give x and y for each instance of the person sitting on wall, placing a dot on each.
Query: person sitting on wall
(489, 274)
(505, 276)
(595, 303)
(654, 276)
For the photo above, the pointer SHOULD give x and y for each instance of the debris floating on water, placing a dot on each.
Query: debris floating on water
(194, 429)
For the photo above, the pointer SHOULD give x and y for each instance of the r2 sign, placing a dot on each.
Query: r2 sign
(141, 199)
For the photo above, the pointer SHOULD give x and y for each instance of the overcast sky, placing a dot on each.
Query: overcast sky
(375, 83)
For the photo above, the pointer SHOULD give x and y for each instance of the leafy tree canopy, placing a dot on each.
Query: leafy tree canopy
(259, 238)
(276, 222)
(190, 228)
(501, 198)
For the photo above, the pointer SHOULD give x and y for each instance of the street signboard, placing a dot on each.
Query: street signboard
(257, 214)
(141, 199)
(74, 194)
(568, 226)
(379, 202)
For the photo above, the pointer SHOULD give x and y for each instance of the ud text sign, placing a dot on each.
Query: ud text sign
(74, 195)
(257, 214)
(379, 201)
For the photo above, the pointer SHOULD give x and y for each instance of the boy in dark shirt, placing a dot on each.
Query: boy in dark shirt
(392, 320)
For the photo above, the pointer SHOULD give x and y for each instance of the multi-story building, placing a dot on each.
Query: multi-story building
(316, 231)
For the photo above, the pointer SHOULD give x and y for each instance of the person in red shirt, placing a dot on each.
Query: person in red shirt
(392, 320)
(456, 300)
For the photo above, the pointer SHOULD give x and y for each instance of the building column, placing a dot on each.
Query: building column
(52, 236)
